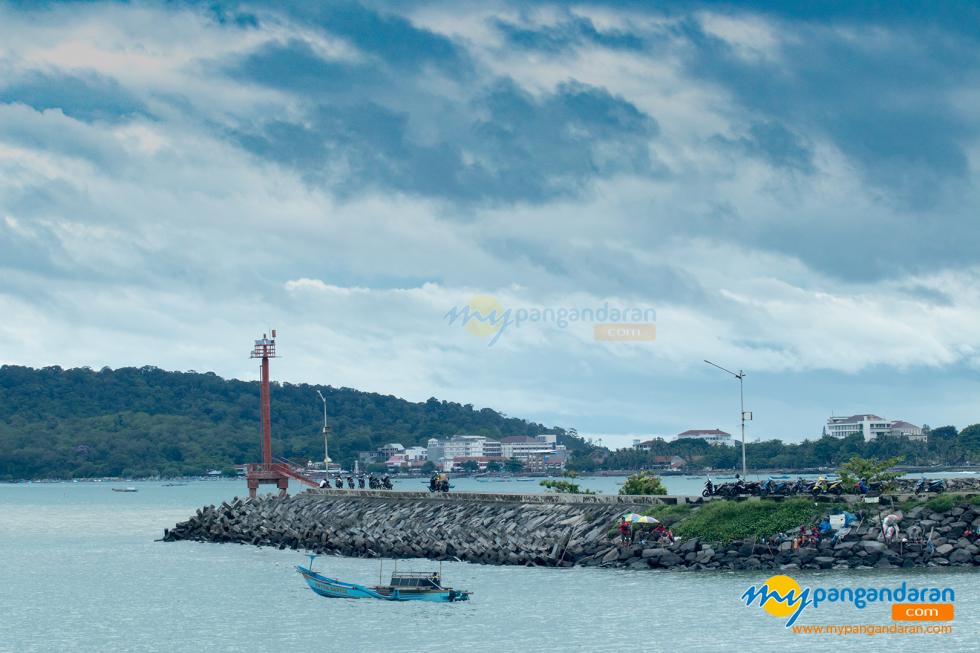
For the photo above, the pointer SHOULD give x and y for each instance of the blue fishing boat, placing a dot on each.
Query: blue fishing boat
(404, 586)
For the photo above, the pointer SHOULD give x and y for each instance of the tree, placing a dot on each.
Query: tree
(642, 483)
(565, 487)
(494, 466)
(428, 467)
(513, 465)
(871, 469)
(470, 466)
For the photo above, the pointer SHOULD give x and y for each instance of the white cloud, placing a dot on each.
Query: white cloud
(172, 247)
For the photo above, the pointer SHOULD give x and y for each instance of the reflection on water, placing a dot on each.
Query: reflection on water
(81, 572)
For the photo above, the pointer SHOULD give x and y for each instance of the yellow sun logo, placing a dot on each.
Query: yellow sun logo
(781, 585)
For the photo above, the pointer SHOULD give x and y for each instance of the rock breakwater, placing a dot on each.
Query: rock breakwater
(557, 530)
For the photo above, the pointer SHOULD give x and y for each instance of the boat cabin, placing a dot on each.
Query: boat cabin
(416, 580)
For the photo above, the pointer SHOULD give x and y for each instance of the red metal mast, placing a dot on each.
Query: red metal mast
(265, 348)
(270, 470)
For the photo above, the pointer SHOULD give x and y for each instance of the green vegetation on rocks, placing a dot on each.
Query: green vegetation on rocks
(724, 521)
(565, 487)
(642, 483)
(873, 470)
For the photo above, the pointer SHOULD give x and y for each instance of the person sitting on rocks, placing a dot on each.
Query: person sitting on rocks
(624, 532)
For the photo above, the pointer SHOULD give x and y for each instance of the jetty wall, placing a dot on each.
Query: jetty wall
(551, 530)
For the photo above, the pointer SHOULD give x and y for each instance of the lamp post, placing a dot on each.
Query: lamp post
(326, 432)
(741, 402)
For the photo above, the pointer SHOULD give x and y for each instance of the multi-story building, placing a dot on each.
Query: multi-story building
(911, 431)
(871, 427)
(522, 447)
(711, 436)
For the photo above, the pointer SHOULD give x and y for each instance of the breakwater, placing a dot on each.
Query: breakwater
(556, 530)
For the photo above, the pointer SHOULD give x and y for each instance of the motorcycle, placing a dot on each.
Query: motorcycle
(754, 488)
(386, 483)
(709, 489)
(801, 486)
(360, 482)
(339, 483)
(925, 485)
(350, 482)
(771, 487)
(374, 483)
(863, 487)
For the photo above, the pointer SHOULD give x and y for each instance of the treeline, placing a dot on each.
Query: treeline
(946, 446)
(80, 423)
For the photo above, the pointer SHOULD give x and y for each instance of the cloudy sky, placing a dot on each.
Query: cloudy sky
(793, 190)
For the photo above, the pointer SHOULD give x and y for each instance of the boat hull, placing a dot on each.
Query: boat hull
(336, 589)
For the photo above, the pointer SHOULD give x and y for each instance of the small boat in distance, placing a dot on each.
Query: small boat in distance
(125, 489)
(404, 586)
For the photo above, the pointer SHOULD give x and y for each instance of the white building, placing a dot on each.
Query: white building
(416, 453)
(711, 436)
(463, 446)
(523, 447)
(871, 427)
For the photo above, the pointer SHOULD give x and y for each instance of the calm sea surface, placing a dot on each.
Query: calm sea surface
(80, 571)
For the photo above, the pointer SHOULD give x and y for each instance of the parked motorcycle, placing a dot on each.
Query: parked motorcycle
(709, 489)
(338, 483)
(771, 487)
(360, 481)
(924, 485)
(374, 483)
(863, 487)
(350, 482)
(386, 483)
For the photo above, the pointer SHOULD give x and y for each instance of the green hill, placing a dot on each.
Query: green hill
(57, 423)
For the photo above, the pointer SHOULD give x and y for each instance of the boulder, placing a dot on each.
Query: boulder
(944, 549)
(874, 546)
(825, 562)
(692, 544)
(960, 556)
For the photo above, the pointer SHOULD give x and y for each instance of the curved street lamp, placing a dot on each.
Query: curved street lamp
(741, 401)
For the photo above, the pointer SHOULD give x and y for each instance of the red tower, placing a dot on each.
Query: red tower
(268, 471)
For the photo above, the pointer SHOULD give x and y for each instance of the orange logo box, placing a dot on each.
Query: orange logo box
(922, 612)
(625, 331)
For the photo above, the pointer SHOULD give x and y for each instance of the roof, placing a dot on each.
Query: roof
(856, 418)
(697, 432)
(899, 424)
(511, 439)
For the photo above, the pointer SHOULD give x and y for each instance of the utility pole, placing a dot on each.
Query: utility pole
(326, 433)
(741, 401)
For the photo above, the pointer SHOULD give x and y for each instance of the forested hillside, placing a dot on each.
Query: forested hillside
(147, 421)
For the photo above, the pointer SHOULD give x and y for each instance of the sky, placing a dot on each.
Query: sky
(790, 188)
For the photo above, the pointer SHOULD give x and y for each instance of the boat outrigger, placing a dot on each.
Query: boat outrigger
(404, 586)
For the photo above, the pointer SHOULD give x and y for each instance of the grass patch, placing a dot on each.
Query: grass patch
(724, 521)
(975, 501)
(670, 514)
(942, 503)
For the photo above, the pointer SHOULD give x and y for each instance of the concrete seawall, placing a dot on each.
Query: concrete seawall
(549, 530)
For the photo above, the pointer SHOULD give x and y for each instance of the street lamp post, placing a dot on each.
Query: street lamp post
(741, 402)
(326, 433)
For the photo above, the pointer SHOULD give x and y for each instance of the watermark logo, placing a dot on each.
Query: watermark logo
(485, 317)
(781, 596)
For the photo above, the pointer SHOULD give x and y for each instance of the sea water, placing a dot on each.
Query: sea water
(81, 570)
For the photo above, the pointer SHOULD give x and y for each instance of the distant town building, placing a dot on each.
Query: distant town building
(648, 445)
(711, 436)
(871, 427)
